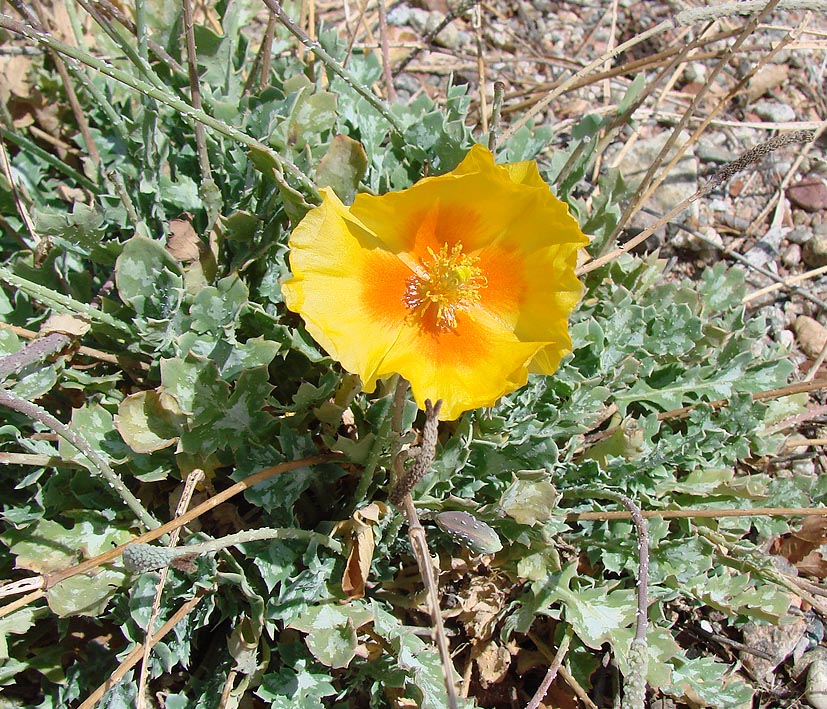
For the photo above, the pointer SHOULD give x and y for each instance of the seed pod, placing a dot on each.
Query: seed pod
(467, 530)
(139, 558)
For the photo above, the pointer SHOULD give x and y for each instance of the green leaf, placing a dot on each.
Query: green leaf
(149, 279)
(47, 546)
(331, 631)
(96, 426)
(312, 115)
(343, 167)
(83, 226)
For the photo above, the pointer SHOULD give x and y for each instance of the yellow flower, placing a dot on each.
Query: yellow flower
(462, 284)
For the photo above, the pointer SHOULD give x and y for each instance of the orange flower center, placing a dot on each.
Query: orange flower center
(449, 283)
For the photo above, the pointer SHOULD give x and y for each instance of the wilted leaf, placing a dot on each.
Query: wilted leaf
(530, 501)
(148, 422)
(343, 167)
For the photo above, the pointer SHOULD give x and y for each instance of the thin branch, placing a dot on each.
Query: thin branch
(476, 23)
(25, 217)
(604, 516)
(726, 172)
(195, 90)
(747, 7)
(163, 95)
(450, 16)
(34, 353)
(61, 302)
(133, 657)
(86, 351)
(406, 480)
(334, 65)
(634, 690)
(552, 671)
(99, 465)
(267, 52)
(496, 114)
(195, 476)
(649, 177)
(572, 80)
(403, 482)
(785, 283)
(386, 57)
(722, 104)
(138, 558)
(768, 394)
(419, 544)
(50, 580)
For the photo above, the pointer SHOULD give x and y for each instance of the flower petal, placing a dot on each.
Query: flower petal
(346, 286)
(507, 249)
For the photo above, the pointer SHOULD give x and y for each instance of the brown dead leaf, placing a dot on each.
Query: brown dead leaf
(66, 324)
(183, 243)
(776, 641)
(796, 545)
(360, 546)
(769, 77)
(493, 663)
(480, 608)
(14, 76)
(813, 564)
(71, 194)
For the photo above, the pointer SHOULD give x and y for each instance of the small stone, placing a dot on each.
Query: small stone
(809, 193)
(706, 152)
(791, 256)
(814, 252)
(805, 467)
(695, 71)
(450, 36)
(765, 249)
(688, 241)
(811, 335)
(800, 235)
(399, 15)
(774, 111)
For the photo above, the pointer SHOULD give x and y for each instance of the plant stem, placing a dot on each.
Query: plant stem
(59, 301)
(139, 558)
(36, 413)
(168, 99)
(334, 65)
(195, 91)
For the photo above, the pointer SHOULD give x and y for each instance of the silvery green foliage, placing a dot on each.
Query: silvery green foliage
(213, 373)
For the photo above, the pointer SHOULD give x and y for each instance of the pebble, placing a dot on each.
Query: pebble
(814, 252)
(765, 250)
(809, 193)
(810, 334)
(682, 182)
(775, 319)
(695, 71)
(805, 467)
(714, 154)
(450, 37)
(688, 241)
(800, 235)
(774, 111)
(791, 256)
